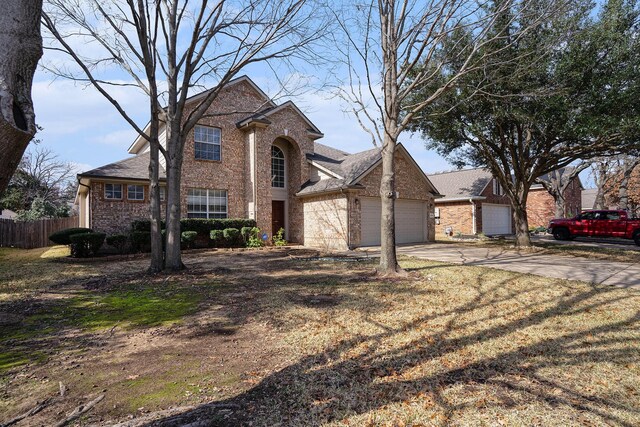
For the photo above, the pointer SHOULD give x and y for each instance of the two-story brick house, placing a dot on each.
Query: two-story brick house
(252, 158)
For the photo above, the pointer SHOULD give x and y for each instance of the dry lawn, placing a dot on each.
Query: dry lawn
(269, 338)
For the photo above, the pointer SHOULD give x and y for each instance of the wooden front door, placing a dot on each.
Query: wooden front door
(277, 216)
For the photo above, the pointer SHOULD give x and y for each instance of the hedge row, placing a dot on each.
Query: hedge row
(203, 227)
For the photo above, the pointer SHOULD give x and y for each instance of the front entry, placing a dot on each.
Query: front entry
(277, 216)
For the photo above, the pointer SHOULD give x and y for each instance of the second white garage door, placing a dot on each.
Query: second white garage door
(496, 219)
(411, 224)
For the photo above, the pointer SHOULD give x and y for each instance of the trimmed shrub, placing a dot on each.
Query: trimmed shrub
(144, 225)
(62, 237)
(255, 239)
(188, 237)
(201, 226)
(140, 241)
(245, 232)
(217, 238)
(118, 241)
(232, 237)
(86, 244)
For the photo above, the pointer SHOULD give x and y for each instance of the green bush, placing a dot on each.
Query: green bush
(86, 244)
(245, 232)
(278, 239)
(140, 241)
(118, 241)
(255, 239)
(201, 226)
(217, 238)
(144, 225)
(232, 237)
(188, 237)
(62, 237)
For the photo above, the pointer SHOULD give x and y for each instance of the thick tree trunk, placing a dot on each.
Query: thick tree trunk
(523, 239)
(388, 257)
(173, 259)
(561, 209)
(20, 50)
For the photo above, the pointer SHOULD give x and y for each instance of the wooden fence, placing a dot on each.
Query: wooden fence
(32, 234)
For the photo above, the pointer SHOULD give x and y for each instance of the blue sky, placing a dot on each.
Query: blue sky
(83, 128)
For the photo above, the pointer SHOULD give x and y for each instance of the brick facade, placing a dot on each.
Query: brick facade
(541, 207)
(244, 172)
(327, 225)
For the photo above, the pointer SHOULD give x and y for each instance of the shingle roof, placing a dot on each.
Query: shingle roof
(461, 184)
(347, 167)
(548, 176)
(136, 167)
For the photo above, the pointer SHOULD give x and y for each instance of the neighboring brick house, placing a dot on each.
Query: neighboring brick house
(265, 164)
(473, 203)
(541, 207)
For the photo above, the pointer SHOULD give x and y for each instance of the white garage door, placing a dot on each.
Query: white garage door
(496, 219)
(411, 221)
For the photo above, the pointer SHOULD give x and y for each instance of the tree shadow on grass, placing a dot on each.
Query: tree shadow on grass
(461, 361)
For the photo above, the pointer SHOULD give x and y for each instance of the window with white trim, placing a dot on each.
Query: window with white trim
(277, 167)
(203, 203)
(113, 191)
(135, 192)
(207, 142)
(497, 188)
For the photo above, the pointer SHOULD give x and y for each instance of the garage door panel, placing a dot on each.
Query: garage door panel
(496, 219)
(410, 221)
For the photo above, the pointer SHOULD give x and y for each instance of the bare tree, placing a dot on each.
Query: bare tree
(20, 50)
(557, 182)
(394, 48)
(168, 49)
(626, 165)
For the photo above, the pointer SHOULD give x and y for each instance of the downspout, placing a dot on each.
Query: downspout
(474, 227)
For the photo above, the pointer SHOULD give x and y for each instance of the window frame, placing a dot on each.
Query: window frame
(112, 198)
(284, 167)
(135, 192)
(196, 142)
(208, 214)
(497, 188)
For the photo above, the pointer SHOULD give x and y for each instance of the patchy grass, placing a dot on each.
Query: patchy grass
(270, 339)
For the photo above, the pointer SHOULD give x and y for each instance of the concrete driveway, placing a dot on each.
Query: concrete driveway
(556, 266)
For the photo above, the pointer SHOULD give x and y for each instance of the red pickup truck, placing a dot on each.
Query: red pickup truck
(597, 224)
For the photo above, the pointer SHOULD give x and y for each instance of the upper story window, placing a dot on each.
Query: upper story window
(207, 142)
(113, 191)
(135, 192)
(277, 167)
(497, 188)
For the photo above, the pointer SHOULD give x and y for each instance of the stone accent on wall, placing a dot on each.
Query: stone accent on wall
(327, 222)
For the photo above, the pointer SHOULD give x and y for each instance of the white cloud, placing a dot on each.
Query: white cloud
(121, 139)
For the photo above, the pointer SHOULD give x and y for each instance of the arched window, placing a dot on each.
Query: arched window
(277, 167)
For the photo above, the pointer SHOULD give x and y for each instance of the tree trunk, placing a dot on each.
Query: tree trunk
(173, 259)
(523, 239)
(157, 255)
(388, 257)
(561, 210)
(20, 50)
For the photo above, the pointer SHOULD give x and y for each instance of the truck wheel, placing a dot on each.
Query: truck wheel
(636, 238)
(561, 233)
